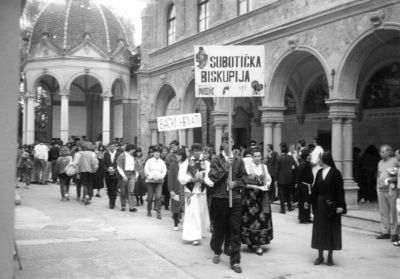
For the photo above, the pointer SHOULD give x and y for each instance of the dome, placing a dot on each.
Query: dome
(67, 23)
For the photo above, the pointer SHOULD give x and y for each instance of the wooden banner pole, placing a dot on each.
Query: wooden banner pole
(230, 146)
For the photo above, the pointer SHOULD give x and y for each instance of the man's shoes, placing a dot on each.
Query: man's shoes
(98, 195)
(283, 212)
(133, 209)
(383, 236)
(236, 267)
(148, 213)
(159, 216)
(318, 261)
(111, 206)
(259, 251)
(123, 209)
(394, 238)
(291, 209)
(216, 259)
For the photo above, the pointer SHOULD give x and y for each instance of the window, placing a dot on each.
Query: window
(171, 25)
(244, 6)
(204, 14)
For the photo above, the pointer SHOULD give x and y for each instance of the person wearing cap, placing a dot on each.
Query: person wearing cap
(155, 171)
(127, 170)
(227, 218)
(110, 165)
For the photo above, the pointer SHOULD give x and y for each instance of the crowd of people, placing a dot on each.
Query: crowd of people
(196, 184)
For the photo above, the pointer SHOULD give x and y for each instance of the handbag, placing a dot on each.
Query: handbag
(70, 169)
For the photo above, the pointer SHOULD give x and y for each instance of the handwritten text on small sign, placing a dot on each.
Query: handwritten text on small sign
(179, 122)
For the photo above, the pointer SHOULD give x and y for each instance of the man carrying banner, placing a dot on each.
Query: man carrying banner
(227, 218)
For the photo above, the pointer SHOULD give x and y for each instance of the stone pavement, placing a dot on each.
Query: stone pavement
(69, 240)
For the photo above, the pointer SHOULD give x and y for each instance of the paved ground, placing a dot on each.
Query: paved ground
(69, 240)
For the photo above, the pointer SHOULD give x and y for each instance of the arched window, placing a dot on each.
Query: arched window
(316, 95)
(290, 102)
(244, 6)
(383, 89)
(204, 14)
(171, 25)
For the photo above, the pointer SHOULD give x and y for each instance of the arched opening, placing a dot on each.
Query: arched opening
(117, 89)
(166, 103)
(46, 89)
(371, 74)
(85, 108)
(204, 106)
(299, 83)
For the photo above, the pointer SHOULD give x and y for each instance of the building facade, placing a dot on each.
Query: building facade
(332, 72)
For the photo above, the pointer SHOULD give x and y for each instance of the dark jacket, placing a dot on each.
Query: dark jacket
(272, 163)
(219, 172)
(286, 167)
(107, 163)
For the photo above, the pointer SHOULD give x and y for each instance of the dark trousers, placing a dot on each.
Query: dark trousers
(111, 185)
(285, 194)
(304, 197)
(78, 183)
(87, 183)
(53, 171)
(225, 219)
(64, 184)
(154, 189)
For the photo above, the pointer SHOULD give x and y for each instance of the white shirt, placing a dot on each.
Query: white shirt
(129, 162)
(325, 172)
(41, 151)
(112, 155)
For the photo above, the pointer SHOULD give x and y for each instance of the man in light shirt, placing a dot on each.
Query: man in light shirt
(128, 174)
(40, 153)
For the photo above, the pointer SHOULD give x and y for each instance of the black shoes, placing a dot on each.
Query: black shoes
(329, 262)
(228, 251)
(123, 209)
(319, 261)
(383, 236)
(236, 268)
(216, 259)
(133, 209)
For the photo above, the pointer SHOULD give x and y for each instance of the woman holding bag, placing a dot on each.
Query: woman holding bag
(256, 227)
(63, 161)
(328, 203)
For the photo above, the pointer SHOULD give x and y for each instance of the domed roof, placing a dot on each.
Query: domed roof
(67, 23)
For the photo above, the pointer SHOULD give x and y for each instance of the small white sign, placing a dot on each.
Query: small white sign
(179, 122)
(229, 71)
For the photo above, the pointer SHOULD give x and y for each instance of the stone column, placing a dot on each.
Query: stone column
(272, 117)
(337, 141)
(154, 136)
(64, 119)
(24, 106)
(344, 109)
(182, 139)
(268, 136)
(30, 119)
(277, 136)
(218, 136)
(190, 137)
(106, 117)
(350, 186)
(220, 121)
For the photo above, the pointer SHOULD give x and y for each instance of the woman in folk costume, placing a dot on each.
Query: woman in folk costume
(176, 188)
(256, 227)
(193, 173)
